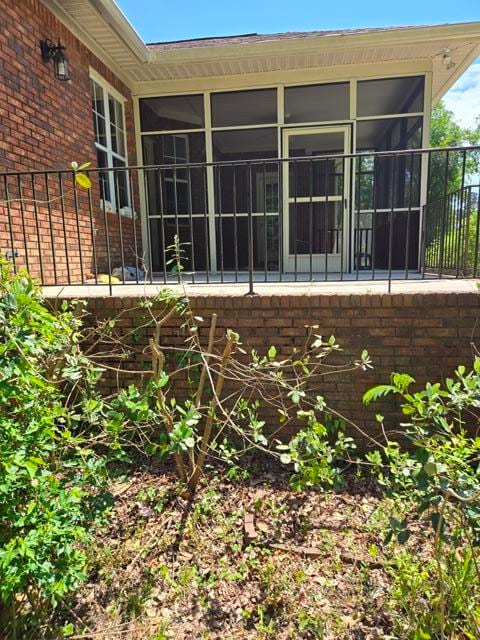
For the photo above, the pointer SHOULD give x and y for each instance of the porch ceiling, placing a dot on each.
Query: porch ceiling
(104, 28)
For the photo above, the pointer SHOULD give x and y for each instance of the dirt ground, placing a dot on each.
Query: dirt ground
(248, 558)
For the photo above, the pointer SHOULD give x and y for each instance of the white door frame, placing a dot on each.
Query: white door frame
(317, 261)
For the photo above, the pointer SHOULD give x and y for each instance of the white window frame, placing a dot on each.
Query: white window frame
(208, 129)
(109, 91)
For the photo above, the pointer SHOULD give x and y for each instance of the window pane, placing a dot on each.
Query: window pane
(391, 95)
(162, 233)
(232, 243)
(115, 109)
(100, 130)
(172, 112)
(97, 98)
(315, 228)
(236, 187)
(177, 191)
(102, 161)
(389, 134)
(121, 185)
(173, 148)
(317, 103)
(244, 107)
(244, 144)
(386, 181)
(118, 140)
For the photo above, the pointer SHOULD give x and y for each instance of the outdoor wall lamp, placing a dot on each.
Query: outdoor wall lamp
(60, 61)
(447, 59)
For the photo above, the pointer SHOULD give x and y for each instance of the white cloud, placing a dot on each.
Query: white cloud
(464, 97)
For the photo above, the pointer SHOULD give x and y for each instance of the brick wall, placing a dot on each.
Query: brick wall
(426, 335)
(45, 124)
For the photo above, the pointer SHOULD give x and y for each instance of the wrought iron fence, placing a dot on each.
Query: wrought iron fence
(366, 216)
(452, 234)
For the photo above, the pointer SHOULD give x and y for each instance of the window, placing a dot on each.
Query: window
(176, 196)
(317, 103)
(109, 127)
(237, 108)
(240, 189)
(183, 189)
(389, 96)
(172, 112)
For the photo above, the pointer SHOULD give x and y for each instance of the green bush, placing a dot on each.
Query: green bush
(52, 481)
(436, 481)
(458, 251)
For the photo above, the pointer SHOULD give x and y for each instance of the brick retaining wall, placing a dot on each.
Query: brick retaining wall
(426, 335)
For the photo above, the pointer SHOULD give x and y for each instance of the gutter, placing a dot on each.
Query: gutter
(302, 45)
(112, 15)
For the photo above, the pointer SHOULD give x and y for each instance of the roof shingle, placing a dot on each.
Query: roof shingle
(251, 38)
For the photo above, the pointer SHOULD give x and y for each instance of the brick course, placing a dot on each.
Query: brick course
(45, 124)
(426, 335)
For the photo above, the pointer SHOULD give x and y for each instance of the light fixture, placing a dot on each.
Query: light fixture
(60, 61)
(447, 59)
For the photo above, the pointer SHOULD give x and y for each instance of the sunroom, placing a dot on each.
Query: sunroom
(280, 161)
(271, 158)
(293, 156)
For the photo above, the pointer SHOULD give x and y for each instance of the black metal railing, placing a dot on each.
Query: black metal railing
(452, 234)
(366, 216)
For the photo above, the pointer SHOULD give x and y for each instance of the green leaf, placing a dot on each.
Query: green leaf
(377, 392)
(430, 468)
(403, 536)
(285, 458)
(272, 353)
(83, 180)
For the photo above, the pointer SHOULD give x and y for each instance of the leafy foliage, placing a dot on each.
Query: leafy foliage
(446, 132)
(51, 478)
(440, 477)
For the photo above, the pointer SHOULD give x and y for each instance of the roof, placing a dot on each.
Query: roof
(230, 61)
(252, 38)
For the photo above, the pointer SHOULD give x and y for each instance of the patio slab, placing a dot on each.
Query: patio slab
(345, 287)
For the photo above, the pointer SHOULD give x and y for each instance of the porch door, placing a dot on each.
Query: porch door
(316, 199)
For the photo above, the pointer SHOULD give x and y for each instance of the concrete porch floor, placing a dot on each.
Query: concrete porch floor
(349, 285)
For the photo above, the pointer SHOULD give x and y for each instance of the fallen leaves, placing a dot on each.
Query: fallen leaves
(243, 557)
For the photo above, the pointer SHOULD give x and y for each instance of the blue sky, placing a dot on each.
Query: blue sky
(156, 20)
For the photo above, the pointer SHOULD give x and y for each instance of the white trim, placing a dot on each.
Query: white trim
(290, 77)
(316, 262)
(284, 129)
(212, 232)
(109, 91)
(141, 187)
(163, 132)
(391, 116)
(99, 79)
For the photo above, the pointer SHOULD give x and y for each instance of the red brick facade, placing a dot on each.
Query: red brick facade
(45, 124)
(426, 335)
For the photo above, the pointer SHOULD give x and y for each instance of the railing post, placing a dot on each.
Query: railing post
(423, 246)
(467, 210)
(251, 292)
(444, 215)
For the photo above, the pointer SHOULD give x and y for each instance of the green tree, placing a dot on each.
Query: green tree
(446, 132)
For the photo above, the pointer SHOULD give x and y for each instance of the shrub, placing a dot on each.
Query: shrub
(440, 476)
(51, 477)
